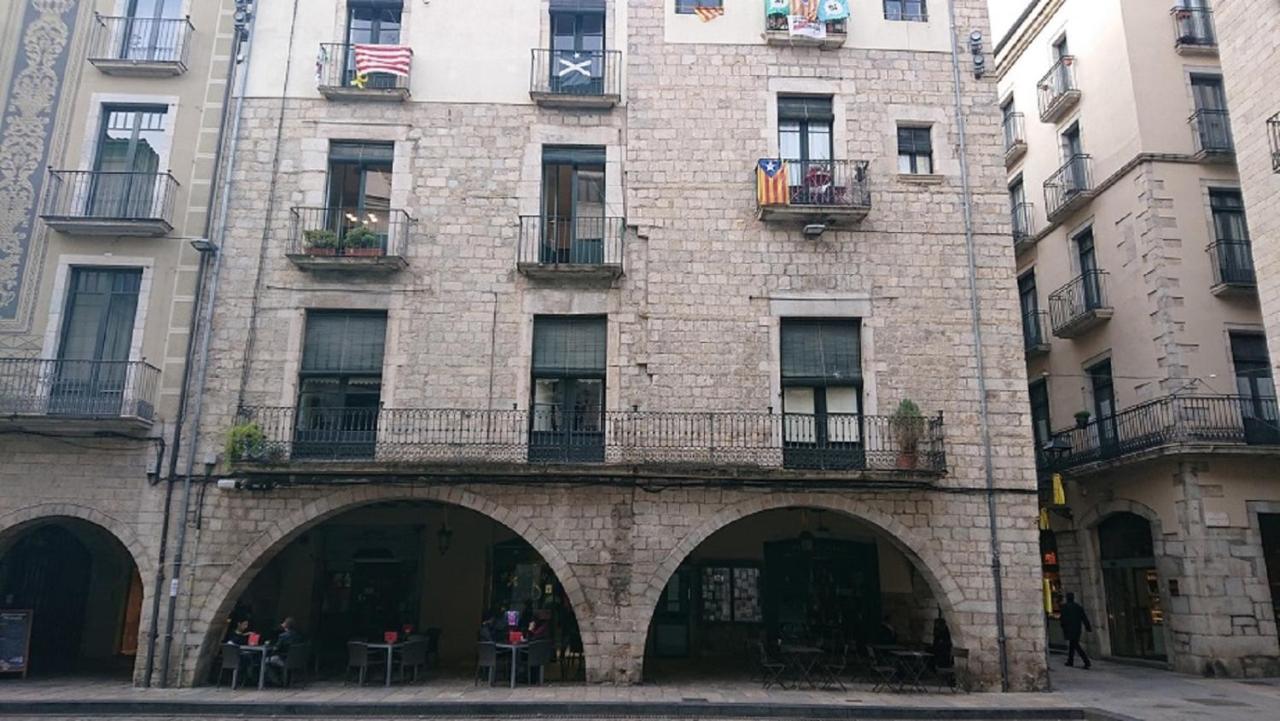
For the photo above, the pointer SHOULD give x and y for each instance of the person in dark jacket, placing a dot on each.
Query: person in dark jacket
(1074, 620)
(288, 638)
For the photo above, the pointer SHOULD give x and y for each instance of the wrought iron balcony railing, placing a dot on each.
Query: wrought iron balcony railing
(1057, 90)
(1035, 332)
(349, 233)
(1076, 306)
(1169, 421)
(1273, 139)
(1014, 130)
(92, 201)
(140, 46)
(1232, 262)
(576, 77)
(580, 243)
(337, 76)
(1069, 186)
(1023, 224)
(1193, 29)
(1211, 131)
(814, 188)
(777, 31)
(78, 389)
(761, 441)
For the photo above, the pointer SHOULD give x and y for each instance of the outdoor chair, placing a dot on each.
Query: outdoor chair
(769, 668)
(358, 658)
(833, 667)
(487, 660)
(949, 677)
(571, 660)
(413, 656)
(540, 654)
(882, 674)
(230, 662)
(295, 662)
(433, 646)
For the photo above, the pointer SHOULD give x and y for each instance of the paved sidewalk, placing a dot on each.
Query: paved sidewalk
(1121, 691)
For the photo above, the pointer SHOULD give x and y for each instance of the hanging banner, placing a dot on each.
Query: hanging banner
(1059, 491)
(804, 27)
(830, 10)
(777, 7)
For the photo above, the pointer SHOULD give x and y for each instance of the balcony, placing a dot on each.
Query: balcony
(1069, 188)
(777, 31)
(140, 47)
(1193, 31)
(823, 192)
(514, 443)
(336, 239)
(1211, 132)
(582, 247)
(337, 77)
(1035, 333)
(1024, 232)
(1015, 138)
(1273, 139)
(1081, 305)
(1171, 425)
(91, 202)
(587, 79)
(36, 393)
(1232, 262)
(1057, 91)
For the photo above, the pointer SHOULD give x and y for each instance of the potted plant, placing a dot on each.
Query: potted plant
(908, 426)
(321, 241)
(1082, 419)
(361, 241)
(247, 442)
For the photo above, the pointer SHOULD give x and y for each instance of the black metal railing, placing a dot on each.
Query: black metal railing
(1211, 130)
(584, 240)
(1232, 262)
(1035, 330)
(1071, 181)
(584, 73)
(1083, 295)
(92, 194)
(1193, 27)
(1273, 139)
(632, 438)
(1023, 225)
(1168, 421)
(1056, 84)
(823, 183)
(84, 389)
(336, 68)
(780, 24)
(350, 232)
(1014, 129)
(140, 40)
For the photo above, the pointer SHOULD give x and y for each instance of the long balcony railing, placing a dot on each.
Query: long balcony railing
(576, 77)
(1193, 29)
(1168, 421)
(777, 31)
(1211, 131)
(1023, 224)
(1013, 127)
(338, 77)
(1057, 90)
(78, 389)
(335, 232)
(110, 202)
(814, 188)
(579, 243)
(1273, 139)
(1069, 186)
(1232, 262)
(129, 45)
(761, 441)
(1075, 307)
(1035, 332)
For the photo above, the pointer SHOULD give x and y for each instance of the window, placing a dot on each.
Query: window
(573, 195)
(1255, 387)
(372, 22)
(1090, 277)
(340, 384)
(915, 150)
(577, 47)
(914, 10)
(359, 190)
(821, 393)
(567, 419)
(805, 145)
(1017, 206)
(1211, 123)
(97, 332)
(131, 140)
(1229, 223)
(687, 7)
(1030, 305)
(150, 30)
(1104, 402)
(1040, 423)
(731, 594)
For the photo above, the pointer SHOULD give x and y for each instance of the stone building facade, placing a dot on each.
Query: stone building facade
(1140, 309)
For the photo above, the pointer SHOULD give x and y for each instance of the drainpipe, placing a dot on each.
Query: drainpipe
(243, 27)
(975, 312)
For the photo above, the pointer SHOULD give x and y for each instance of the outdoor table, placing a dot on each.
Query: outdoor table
(264, 649)
(515, 649)
(911, 667)
(803, 659)
(391, 649)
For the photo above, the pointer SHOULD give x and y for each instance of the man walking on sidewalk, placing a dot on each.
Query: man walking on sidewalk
(1074, 620)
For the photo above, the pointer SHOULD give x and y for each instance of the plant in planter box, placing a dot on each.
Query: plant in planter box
(908, 426)
(362, 241)
(245, 442)
(1082, 419)
(320, 241)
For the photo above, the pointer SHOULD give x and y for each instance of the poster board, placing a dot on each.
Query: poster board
(15, 641)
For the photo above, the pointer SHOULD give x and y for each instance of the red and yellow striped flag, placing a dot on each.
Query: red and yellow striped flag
(807, 8)
(771, 182)
(709, 13)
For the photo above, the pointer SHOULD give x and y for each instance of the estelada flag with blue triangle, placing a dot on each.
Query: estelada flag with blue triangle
(771, 182)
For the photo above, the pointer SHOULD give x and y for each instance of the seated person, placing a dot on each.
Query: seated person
(240, 634)
(941, 645)
(289, 637)
(538, 630)
(487, 629)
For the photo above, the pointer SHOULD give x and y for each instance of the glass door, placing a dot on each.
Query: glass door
(1076, 177)
(1213, 123)
(1091, 285)
(1030, 306)
(372, 22)
(1104, 406)
(128, 162)
(91, 374)
(1256, 389)
(577, 53)
(1135, 614)
(150, 32)
(573, 195)
(360, 198)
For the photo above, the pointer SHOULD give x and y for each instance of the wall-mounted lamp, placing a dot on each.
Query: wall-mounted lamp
(975, 48)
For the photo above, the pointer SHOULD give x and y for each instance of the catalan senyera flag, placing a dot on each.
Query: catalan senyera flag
(771, 182)
(1048, 595)
(1044, 519)
(708, 13)
(389, 59)
(806, 8)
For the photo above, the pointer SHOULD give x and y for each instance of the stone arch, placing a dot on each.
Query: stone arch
(14, 523)
(946, 590)
(1097, 514)
(232, 582)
